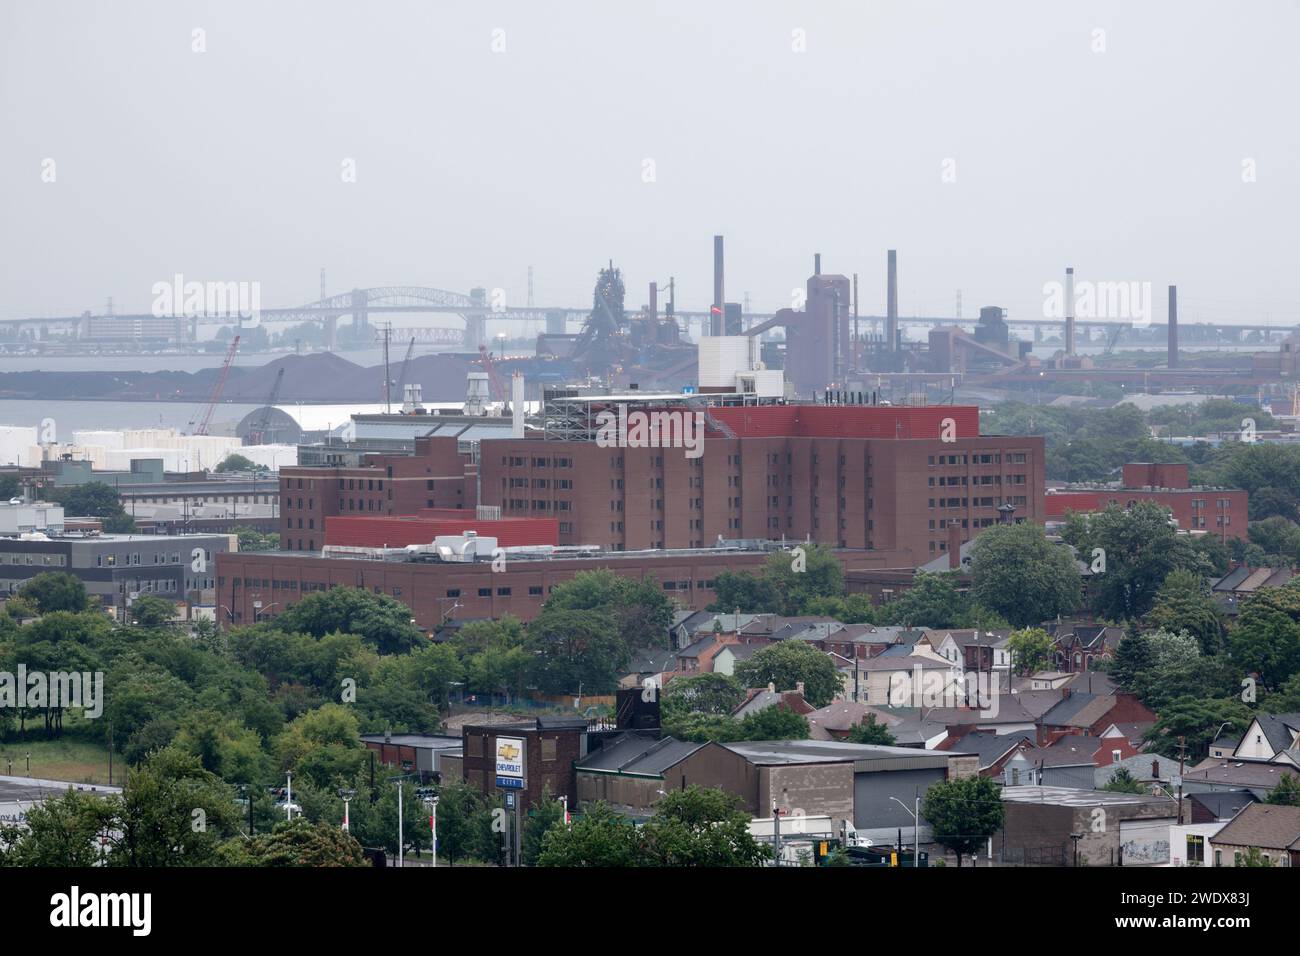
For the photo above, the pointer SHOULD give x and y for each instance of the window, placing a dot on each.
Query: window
(548, 749)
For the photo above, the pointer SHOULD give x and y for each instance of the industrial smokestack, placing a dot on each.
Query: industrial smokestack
(719, 298)
(654, 301)
(1069, 310)
(817, 263)
(517, 405)
(1173, 326)
(891, 305)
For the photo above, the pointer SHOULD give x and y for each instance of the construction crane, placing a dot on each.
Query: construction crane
(257, 436)
(206, 417)
(401, 374)
(494, 380)
(1114, 337)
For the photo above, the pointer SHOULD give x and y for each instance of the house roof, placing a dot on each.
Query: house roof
(1070, 751)
(900, 662)
(990, 747)
(1038, 702)
(968, 637)
(844, 714)
(1238, 773)
(762, 699)
(1263, 825)
(786, 752)
(1279, 729)
(1079, 710)
(651, 661)
(1224, 804)
(1070, 797)
(638, 755)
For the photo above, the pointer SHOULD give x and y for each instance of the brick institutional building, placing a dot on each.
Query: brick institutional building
(886, 486)
(1221, 512)
(862, 477)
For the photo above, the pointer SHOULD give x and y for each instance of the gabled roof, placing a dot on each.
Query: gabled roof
(1071, 751)
(1223, 804)
(968, 637)
(1279, 729)
(1262, 825)
(844, 714)
(638, 755)
(989, 747)
(763, 698)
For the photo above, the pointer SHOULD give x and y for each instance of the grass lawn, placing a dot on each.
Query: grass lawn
(76, 761)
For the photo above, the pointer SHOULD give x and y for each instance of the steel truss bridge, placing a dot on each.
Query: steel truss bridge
(478, 307)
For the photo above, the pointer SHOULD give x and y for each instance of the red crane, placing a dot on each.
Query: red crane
(494, 380)
(211, 406)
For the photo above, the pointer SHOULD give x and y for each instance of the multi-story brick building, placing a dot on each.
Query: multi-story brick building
(438, 475)
(1222, 512)
(862, 477)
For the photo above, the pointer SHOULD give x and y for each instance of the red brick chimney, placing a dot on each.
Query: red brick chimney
(954, 545)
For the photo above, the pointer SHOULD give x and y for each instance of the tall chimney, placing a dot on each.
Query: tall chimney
(1069, 310)
(719, 299)
(654, 301)
(817, 263)
(1173, 326)
(891, 305)
(517, 405)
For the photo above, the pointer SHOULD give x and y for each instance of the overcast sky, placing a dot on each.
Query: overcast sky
(1107, 136)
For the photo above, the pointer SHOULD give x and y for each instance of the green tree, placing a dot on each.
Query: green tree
(1195, 720)
(786, 664)
(298, 843)
(323, 745)
(379, 620)
(1032, 649)
(53, 591)
(575, 649)
(1123, 782)
(1286, 792)
(172, 812)
(1140, 548)
(1184, 604)
(237, 462)
(641, 611)
(149, 610)
(744, 591)
(932, 601)
(700, 827)
(598, 838)
(1018, 573)
(777, 722)
(964, 813)
(64, 830)
(548, 814)
(870, 731)
(805, 573)
(1266, 640)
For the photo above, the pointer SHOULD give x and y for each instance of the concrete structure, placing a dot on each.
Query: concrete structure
(544, 751)
(1112, 829)
(118, 567)
(437, 591)
(415, 753)
(23, 517)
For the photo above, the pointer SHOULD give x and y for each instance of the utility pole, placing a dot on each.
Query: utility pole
(1182, 754)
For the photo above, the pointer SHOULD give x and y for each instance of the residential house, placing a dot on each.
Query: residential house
(1273, 831)
(1079, 644)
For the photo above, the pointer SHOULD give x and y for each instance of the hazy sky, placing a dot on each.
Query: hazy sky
(473, 163)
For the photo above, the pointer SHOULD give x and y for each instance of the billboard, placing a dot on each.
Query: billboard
(510, 762)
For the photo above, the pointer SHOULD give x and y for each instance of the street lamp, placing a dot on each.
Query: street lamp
(916, 827)
(432, 804)
(347, 796)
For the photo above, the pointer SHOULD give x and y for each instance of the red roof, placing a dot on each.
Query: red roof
(849, 421)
